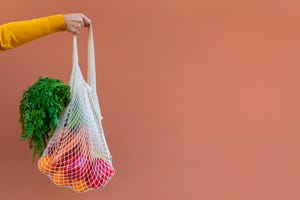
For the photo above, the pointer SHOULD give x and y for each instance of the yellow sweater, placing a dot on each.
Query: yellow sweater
(17, 33)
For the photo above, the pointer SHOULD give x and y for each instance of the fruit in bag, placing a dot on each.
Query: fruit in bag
(47, 164)
(99, 174)
(59, 178)
(79, 185)
(76, 167)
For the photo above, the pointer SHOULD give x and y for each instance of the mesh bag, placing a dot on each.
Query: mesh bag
(77, 155)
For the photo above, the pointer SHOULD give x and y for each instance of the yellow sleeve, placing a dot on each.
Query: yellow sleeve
(17, 33)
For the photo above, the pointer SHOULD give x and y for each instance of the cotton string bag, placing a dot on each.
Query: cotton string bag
(77, 155)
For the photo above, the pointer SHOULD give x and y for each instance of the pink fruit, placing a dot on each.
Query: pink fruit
(75, 167)
(99, 173)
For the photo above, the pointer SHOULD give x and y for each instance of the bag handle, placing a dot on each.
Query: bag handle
(91, 69)
(91, 75)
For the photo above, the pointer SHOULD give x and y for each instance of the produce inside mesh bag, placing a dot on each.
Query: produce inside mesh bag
(77, 155)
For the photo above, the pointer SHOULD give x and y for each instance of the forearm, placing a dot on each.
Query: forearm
(17, 33)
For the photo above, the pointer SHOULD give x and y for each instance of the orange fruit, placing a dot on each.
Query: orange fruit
(59, 178)
(79, 185)
(46, 164)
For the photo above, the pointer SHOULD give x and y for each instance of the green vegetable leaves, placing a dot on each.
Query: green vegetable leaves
(40, 109)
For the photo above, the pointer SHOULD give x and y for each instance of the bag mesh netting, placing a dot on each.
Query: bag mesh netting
(77, 155)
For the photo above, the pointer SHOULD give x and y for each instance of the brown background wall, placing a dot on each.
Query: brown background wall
(201, 99)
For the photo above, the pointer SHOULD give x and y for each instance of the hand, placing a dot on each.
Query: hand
(75, 22)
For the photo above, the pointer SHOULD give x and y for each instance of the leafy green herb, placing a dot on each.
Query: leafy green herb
(40, 109)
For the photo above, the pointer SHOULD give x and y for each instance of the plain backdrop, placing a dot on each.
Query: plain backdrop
(200, 98)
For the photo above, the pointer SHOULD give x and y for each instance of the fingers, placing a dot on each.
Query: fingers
(74, 27)
(86, 21)
(75, 22)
